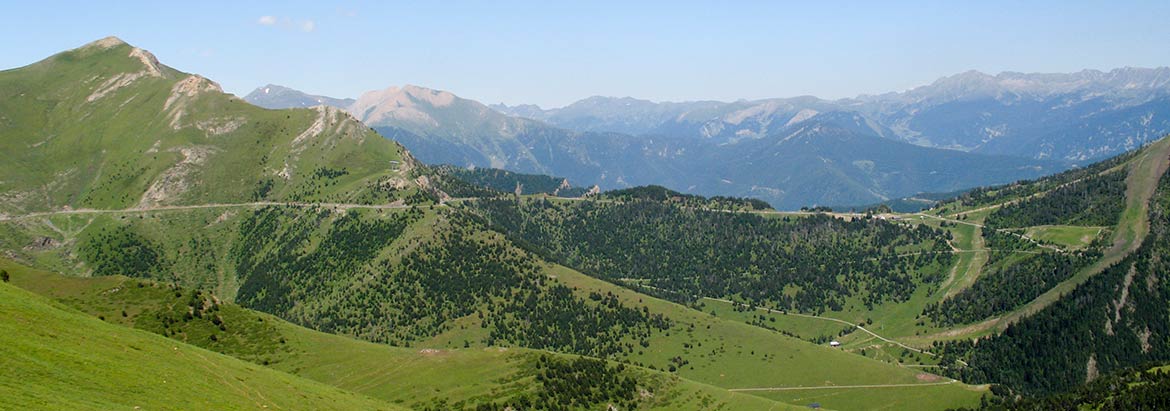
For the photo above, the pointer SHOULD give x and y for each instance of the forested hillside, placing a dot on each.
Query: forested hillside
(1130, 389)
(418, 293)
(1095, 200)
(811, 264)
(663, 194)
(993, 196)
(1116, 319)
(505, 181)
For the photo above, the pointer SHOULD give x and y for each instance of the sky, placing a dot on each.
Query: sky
(554, 53)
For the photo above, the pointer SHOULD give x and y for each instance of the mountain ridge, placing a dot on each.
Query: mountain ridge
(440, 127)
(276, 97)
(135, 132)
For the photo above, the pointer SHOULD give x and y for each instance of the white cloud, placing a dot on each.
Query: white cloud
(285, 23)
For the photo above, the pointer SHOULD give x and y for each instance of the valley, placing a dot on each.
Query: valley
(156, 232)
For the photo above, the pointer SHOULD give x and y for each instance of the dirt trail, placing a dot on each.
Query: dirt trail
(337, 206)
(830, 387)
(1002, 230)
(875, 335)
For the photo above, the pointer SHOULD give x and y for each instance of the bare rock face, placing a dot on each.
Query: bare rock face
(43, 243)
(150, 68)
(182, 93)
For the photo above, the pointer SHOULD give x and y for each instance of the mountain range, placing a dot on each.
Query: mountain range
(1079, 116)
(163, 242)
(960, 132)
(218, 232)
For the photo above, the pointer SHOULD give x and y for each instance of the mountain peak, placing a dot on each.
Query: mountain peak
(105, 43)
(275, 96)
(151, 67)
(273, 88)
(437, 98)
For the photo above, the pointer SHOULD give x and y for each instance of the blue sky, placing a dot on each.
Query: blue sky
(553, 53)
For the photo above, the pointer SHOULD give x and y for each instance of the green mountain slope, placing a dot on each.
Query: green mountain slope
(356, 298)
(808, 264)
(107, 126)
(1068, 217)
(458, 378)
(1108, 320)
(57, 358)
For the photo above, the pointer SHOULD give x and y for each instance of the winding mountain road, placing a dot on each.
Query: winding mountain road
(336, 206)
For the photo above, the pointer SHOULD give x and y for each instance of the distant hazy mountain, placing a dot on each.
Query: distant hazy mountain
(1077, 116)
(622, 115)
(274, 96)
(844, 158)
(790, 152)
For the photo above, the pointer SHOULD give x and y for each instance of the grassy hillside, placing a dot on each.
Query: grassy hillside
(697, 346)
(57, 358)
(107, 126)
(419, 378)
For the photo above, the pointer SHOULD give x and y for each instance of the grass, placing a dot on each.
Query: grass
(892, 320)
(732, 354)
(1066, 236)
(57, 358)
(892, 398)
(108, 152)
(407, 376)
(722, 350)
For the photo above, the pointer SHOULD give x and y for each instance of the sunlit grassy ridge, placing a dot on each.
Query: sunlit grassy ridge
(57, 358)
(107, 126)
